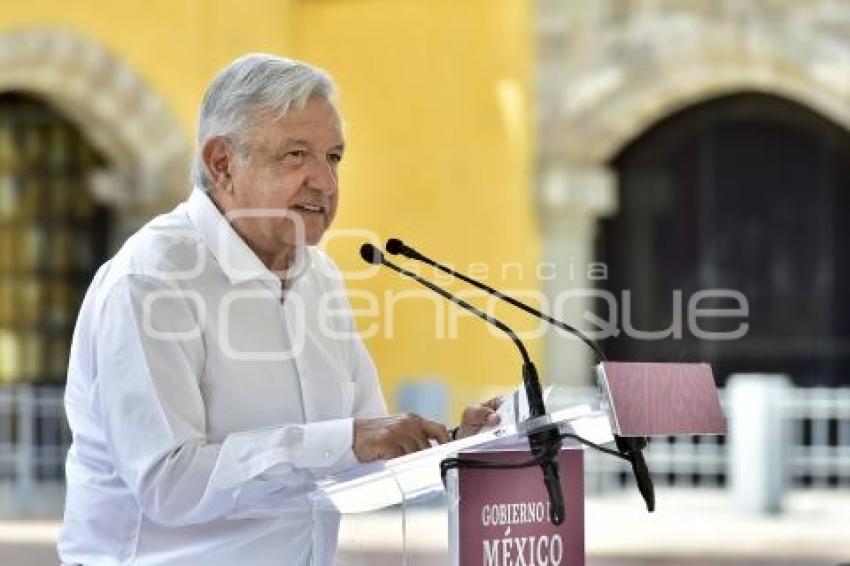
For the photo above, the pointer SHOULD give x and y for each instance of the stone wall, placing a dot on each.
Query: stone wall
(609, 69)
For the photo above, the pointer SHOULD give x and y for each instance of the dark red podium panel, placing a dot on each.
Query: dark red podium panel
(504, 514)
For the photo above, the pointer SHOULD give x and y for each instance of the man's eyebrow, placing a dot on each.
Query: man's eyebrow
(296, 141)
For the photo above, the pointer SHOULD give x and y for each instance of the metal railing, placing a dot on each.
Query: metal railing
(34, 439)
(819, 454)
(815, 432)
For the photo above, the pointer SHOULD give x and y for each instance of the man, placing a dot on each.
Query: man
(215, 370)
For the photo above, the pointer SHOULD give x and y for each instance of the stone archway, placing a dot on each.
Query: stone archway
(608, 71)
(118, 113)
(623, 113)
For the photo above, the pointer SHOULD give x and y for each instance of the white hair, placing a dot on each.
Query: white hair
(253, 87)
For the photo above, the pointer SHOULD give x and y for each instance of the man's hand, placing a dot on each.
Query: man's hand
(474, 418)
(382, 438)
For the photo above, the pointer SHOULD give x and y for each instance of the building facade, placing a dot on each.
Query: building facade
(525, 142)
(694, 145)
(437, 106)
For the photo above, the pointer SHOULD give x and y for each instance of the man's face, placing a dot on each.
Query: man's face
(291, 164)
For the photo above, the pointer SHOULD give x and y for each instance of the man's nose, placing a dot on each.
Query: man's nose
(323, 176)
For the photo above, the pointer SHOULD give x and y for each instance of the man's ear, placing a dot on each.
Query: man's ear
(218, 157)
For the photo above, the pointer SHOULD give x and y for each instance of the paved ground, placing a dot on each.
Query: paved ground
(690, 528)
(43, 555)
(38, 555)
(385, 560)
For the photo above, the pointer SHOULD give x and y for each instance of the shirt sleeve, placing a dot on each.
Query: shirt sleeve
(150, 356)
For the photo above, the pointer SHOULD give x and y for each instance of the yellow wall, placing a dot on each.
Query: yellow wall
(436, 96)
(175, 45)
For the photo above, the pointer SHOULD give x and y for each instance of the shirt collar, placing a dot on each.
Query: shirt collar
(237, 260)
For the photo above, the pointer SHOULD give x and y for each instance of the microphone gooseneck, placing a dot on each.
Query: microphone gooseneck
(545, 444)
(395, 246)
(373, 255)
(630, 449)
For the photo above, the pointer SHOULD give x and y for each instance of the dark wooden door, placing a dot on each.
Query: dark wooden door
(748, 192)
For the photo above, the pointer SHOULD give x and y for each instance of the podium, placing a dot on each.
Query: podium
(497, 516)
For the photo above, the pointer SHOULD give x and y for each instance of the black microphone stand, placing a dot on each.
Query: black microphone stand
(545, 444)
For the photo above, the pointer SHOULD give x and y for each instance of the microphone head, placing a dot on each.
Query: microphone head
(631, 447)
(395, 246)
(643, 479)
(371, 254)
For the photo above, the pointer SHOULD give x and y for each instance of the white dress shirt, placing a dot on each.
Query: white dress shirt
(203, 406)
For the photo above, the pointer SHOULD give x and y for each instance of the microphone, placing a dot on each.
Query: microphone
(545, 444)
(373, 255)
(629, 447)
(397, 247)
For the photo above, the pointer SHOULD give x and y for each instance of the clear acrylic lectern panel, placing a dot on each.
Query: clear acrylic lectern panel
(398, 511)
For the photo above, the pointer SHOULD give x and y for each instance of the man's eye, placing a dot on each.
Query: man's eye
(334, 158)
(295, 155)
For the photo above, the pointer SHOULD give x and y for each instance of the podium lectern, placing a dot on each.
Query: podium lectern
(498, 516)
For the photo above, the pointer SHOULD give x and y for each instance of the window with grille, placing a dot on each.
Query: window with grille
(53, 235)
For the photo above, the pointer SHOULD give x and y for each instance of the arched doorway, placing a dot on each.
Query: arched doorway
(71, 109)
(53, 235)
(749, 192)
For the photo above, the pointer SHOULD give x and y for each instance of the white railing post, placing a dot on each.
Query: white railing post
(25, 448)
(758, 441)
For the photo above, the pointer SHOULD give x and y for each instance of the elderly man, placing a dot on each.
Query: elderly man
(215, 370)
